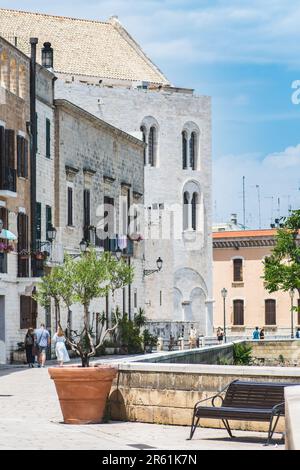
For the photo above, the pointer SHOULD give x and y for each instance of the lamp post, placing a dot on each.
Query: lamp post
(51, 234)
(292, 294)
(83, 245)
(159, 264)
(224, 293)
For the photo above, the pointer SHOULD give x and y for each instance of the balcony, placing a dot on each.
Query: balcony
(112, 244)
(8, 182)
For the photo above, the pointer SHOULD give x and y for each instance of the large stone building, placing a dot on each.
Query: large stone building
(238, 267)
(103, 70)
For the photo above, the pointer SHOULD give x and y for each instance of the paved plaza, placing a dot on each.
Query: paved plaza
(30, 418)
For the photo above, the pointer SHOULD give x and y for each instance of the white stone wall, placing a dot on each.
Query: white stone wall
(168, 294)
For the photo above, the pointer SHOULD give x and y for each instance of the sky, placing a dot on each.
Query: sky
(245, 55)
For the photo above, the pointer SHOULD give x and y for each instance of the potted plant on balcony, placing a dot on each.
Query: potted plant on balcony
(83, 390)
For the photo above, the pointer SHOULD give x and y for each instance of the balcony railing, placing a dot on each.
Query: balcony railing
(112, 244)
(8, 181)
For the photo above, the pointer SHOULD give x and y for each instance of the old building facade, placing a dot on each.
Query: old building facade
(238, 267)
(98, 178)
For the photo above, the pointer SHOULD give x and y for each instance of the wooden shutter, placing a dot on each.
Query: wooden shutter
(4, 217)
(2, 156)
(38, 229)
(237, 270)
(270, 312)
(19, 155)
(23, 264)
(25, 159)
(86, 214)
(48, 220)
(48, 138)
(238, 312)
(70, 206)
(10, 148)
(28, 312)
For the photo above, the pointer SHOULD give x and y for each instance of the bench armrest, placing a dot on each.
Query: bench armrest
(278, 409)
(212, 398)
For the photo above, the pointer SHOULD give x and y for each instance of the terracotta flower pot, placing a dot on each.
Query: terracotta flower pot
(82, 392)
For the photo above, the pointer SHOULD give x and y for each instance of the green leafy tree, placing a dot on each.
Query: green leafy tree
(282, 267)
(81, 281)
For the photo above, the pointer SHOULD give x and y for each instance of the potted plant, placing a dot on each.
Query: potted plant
(149, 340)
(83, 390)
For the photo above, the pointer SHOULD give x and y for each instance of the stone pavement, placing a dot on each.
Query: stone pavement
(30, 418)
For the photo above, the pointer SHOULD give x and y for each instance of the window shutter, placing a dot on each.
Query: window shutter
(238, 312)
(86, 207)
(23, 264)
(25, 160)
(270, 312)
(2, 156)
(237, 270)
(19, 155)
(38, 230)
(4, 217)
(48, 138)
(28, 312)
(11, 148)
(48, 220)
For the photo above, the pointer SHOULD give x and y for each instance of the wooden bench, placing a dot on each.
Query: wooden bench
(244, 401)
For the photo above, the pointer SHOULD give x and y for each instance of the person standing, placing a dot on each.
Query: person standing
(298, 333)
(29, 346)
(220, 335)
(42, 343)
(262, 334)
(60, 348)
(193, 338)
(255, 334)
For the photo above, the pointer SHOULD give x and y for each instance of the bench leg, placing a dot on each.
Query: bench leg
(195, 423)
(272, 428)
(227, 427)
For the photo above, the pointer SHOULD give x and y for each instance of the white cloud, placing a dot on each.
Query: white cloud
(276, 175)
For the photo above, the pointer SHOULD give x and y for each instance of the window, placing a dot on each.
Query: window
(270, 312)
(143, 130)
(194, 211)
(184, 150)
(48, 220)
(10, 148)
(70, 206)
(152, 146)
(48, 138)
(193, 151)
(38, 229)
(238, 270)
(28, 312)
(135, 298)
(86, 214)
(185, 211)
(23, 256)
(22, 157)
(238, 312)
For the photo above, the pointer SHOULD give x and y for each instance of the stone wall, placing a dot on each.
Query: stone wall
(167, 393)
(289, 350)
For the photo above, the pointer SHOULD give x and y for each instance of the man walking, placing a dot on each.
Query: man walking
(42, 343)
(255, 334)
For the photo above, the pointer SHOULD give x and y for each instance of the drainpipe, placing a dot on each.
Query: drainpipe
(33, 43)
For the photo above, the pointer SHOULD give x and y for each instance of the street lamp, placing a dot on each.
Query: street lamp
(224, 293)
(83, 245)
(51, 233)
(292, 294)
(159, 264)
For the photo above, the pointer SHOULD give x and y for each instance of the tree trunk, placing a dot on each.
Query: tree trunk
(85, 361)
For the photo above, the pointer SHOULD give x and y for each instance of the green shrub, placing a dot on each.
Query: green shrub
(242, 354)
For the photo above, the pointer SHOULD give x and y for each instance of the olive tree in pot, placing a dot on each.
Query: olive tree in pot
(83, 390)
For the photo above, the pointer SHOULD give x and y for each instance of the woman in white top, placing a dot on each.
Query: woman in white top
(60, 347)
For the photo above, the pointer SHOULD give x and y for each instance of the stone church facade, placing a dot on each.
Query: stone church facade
(119, 84)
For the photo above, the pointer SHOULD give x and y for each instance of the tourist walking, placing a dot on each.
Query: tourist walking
(29, 347)
(262, 334)
(220, 335)
(255, 334)
(298, 333)
(42, 343)
(60, 348)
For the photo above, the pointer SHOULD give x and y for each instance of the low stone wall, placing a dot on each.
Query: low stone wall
(292, 418)
(207, 355)
(289, 350)
(166, 393)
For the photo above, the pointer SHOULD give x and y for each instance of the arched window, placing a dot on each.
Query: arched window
(238, 270)
(193, 142)
(22, 82)
(238, 312)
(152, 146)
(186, 209)
(184, 150)
(4, 69)
(194, 211)
(143, 131)
(13, 77)
(270, 312)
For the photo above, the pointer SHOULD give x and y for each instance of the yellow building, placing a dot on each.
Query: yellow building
(238, 267)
